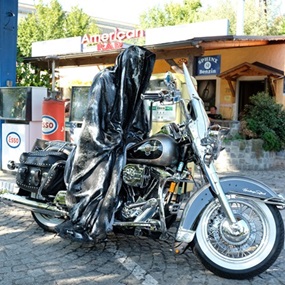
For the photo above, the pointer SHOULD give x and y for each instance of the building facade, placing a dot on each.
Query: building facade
(228, 69)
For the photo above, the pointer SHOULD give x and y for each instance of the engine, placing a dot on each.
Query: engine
(136, 175)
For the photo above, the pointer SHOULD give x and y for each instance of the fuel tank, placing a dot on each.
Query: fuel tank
(158, 150)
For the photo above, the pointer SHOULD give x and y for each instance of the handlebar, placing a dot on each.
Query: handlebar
(152, 96)
(162, 95)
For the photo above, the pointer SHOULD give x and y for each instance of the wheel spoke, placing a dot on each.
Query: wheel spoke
(230, 247)
(244, 249)
(235, 245)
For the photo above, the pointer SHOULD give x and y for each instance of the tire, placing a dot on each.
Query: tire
(246, 255)
(47, 222)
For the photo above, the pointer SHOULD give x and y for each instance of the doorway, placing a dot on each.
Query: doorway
(246, 90)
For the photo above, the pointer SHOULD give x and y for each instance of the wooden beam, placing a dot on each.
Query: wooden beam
(272, 85)
(174, 66)
(231, 87)
(176, 53)
(232, 44)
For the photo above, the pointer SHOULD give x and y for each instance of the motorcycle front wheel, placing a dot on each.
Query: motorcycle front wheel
(243, 255)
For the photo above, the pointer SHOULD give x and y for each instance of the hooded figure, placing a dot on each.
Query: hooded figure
(115, 117)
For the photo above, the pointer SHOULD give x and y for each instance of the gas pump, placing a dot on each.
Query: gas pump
(78, 105)
(53, 110)
(163, 114)
(20, 108)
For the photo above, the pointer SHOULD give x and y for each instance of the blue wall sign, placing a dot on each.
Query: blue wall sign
(208, 65)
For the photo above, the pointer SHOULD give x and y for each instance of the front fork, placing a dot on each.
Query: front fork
(216, 186)
(232, 226)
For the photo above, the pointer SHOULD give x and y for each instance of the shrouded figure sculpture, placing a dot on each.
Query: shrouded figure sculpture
(115, 117)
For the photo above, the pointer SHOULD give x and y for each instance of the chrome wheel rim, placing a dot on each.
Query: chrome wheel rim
(237, 252)
(48, 220)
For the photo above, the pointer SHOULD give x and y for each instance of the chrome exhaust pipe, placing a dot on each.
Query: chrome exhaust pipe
(32, 205)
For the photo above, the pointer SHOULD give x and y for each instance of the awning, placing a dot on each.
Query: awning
(109, 57)
(171, 50)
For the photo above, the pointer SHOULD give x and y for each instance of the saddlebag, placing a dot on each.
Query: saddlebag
(41, 172)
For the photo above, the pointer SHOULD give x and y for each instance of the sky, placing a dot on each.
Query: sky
(127, 11)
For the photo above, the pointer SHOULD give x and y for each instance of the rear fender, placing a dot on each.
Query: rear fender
(232, 185)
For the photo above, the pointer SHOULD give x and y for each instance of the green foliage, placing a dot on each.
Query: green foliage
(265, 119)
(271, 141)
(265, 13)
(235, 137)
(77, 23)
(27, 34)
(47, 23)
(260, 17)
(170, 14)
(223, 9)
(51, 22)
(29, 76)
(282, 24)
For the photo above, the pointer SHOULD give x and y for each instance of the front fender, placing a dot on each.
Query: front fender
(242, 186)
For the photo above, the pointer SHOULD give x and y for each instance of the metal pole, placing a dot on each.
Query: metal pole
(53, 58)
(53, 75)
(240, 18)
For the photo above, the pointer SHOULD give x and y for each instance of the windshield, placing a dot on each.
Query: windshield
(199, 116)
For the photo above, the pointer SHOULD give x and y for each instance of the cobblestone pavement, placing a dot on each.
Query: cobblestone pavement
(28, 255)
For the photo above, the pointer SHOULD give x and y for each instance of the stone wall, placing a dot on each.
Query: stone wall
(247, 155)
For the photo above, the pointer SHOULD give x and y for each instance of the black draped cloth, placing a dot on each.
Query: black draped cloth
(115, 117)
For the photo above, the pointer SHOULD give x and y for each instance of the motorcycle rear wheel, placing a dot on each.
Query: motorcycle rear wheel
(47, 222)
(239, 256)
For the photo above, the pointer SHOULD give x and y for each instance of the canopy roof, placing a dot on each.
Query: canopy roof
(192, 47)
(250, 69)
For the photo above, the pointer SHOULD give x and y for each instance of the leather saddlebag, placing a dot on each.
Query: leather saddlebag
(41, 172)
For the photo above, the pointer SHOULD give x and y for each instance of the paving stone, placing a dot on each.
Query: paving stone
(30, 256)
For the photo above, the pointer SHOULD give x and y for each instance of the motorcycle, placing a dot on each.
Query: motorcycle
(233, 224)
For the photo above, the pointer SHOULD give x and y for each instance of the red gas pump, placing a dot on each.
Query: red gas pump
(53, 119)
(53, 113)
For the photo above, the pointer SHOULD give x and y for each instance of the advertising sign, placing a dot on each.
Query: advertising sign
(13, 139)
(208, 65)
(109, 41)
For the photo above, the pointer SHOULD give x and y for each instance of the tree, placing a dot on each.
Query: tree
(260, 17)
(220, 10)
(51, 22)
(171, 14)
(47, 23)
(77, 23)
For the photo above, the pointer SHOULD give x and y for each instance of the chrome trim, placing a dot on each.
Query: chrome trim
(184, 235)
(32, 205)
